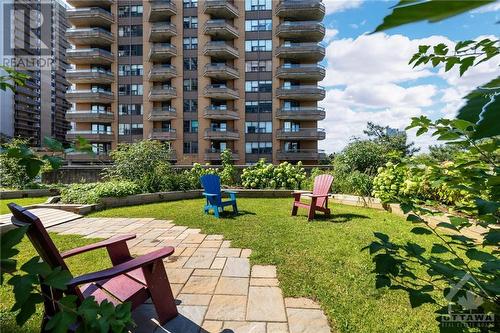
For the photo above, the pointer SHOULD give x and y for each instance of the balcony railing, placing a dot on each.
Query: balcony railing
(301, 134)
(301, 51)
(221, 50)
(89, 56)
(213, 154)
(162, 72)
(90, 95)
(221, 72)
(89, 116)
(93, 16)
(90, 3)
(162, 113)
(220, 29)
(301, 113)
(214, 133)
(301, 71)
(301, 30)
(300, 155)
(90, 36)
(301, 92)
(166, 134)
(162, 31)
(213, 112)
(301, 9)
(87, 157)
(162, 51)
(162, 93)
(161, 10)
(89, 76)
(221, 91)
(221, 8)
(93, 136)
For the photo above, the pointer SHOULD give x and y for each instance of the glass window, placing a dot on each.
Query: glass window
(190, 22)
(130, 30)
(191, 147)
(190, 84)
(259, 147)
(130, 109)
(258, 127)
(190, 64)
(191, 126)
(190, 3)
(259, 25)
(258, 86)
(258, 45)
(258, 66)
(258, 106)
(190, 43)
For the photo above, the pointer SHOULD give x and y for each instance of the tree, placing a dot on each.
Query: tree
(12, 79)
(391, 139)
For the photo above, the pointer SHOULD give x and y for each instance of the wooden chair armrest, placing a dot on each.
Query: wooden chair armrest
(317, 195)
(98, 245)
(122, 268)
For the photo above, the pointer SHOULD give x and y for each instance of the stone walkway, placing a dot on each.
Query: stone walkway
(214, 285)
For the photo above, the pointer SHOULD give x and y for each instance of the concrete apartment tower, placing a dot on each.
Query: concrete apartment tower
(202, 76)
(37, 109)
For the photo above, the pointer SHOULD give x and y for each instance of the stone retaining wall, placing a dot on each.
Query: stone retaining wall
(16, 194)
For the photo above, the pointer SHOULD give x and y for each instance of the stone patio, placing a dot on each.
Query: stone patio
(214, 285)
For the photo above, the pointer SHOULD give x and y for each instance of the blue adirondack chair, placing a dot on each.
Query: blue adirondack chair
(213, 194)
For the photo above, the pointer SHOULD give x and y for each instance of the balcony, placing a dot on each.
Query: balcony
(92, 136)
(163, 134)
(89, 36)
(301, 113)
(214, 155)
(162, 73)
(221, 134)
(90, 96)
(92, 16)
(218, 113)
(220, 50)
(77, 157)
(313, 72)
(90, 3)
(89, 76)
(161, 10)
(162, 31)
(221, 91)
(88, 116)
(301, 93)
(220, 29)
(301, 134)
(162, 93)
(221, 8)
(311, 31)
(313, 10)
(162, 52)
(89, 56)
(162, 114)
(301, 51)
(300, 155)
(221, 72)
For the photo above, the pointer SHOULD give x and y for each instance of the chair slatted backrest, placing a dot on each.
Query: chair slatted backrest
(322, 185)
(43, 244)
(211, 184)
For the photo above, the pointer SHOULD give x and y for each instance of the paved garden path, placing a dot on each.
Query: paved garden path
(214, 285)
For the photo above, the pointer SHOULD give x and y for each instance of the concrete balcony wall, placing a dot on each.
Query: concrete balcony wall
(221, 72)
(162, 52)
(90, 135)
(89, 56)
(311, 31)
(301, 51)
(89, 76)
(90, 16)
(300, 155)
(161, 93)
(89, 36)
(162, 73)
(302, 113)
(162, 31)
(313, 10)
(312, 72)
(161, 114)
(220, 114)
(301, 93)
(216, 134)
(89, 116)
(220, 29)
(220, 9)
(220, 50)
(89, 96)
(161, 10)
(221, 92)
(214, 155)
(90, 3)
(301, 134)
(163, 134)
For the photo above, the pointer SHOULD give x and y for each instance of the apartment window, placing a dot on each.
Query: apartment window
(190, 43)
(130, 89)
(130, 109)
(134, 129)
(251, 5)
(258, 86)
(291, 105)
(190, 3)
(259, 66)
(259, 147)
(258, 127)
(97, 108)
(190, 22)
(190, 126)
(130, 30)
(291, 126)
(130, 70)
(129, 50)
(101, 128)
(190, 105)
(258, 45)
(259, 25)
(190, 64)
(101, 148)
(258, 106)
(126, 11)
(191, 147)
(190, 84)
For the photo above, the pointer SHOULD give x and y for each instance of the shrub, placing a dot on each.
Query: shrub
(92, 193)
(228, 174)
(12, 173)
(267, 175)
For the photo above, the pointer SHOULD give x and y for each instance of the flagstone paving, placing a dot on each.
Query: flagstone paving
(215, 288)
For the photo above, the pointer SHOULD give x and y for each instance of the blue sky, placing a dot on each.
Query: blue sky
(368, 77)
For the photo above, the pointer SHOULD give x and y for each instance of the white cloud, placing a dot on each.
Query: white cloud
(330, 35)
(335, 6)
(494, 7)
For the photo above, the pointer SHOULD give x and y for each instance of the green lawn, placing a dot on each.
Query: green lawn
(22, 201)
(320, 260)
(78, 265)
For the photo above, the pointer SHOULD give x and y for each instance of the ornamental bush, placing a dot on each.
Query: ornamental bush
(92, 193)
(267, 175)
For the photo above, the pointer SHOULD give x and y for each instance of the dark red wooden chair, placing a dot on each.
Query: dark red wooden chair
(129, 280)
(319, 197)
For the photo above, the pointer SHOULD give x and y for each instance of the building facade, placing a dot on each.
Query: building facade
(201, 76)
(37, 109)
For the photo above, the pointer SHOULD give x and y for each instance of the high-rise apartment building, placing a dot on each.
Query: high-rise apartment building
(201, 76)
(37, 109)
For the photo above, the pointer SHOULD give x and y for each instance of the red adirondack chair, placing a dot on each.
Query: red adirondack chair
(129, 280)
(319, 197)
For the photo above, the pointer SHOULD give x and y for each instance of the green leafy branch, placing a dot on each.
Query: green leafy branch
(12, 79)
